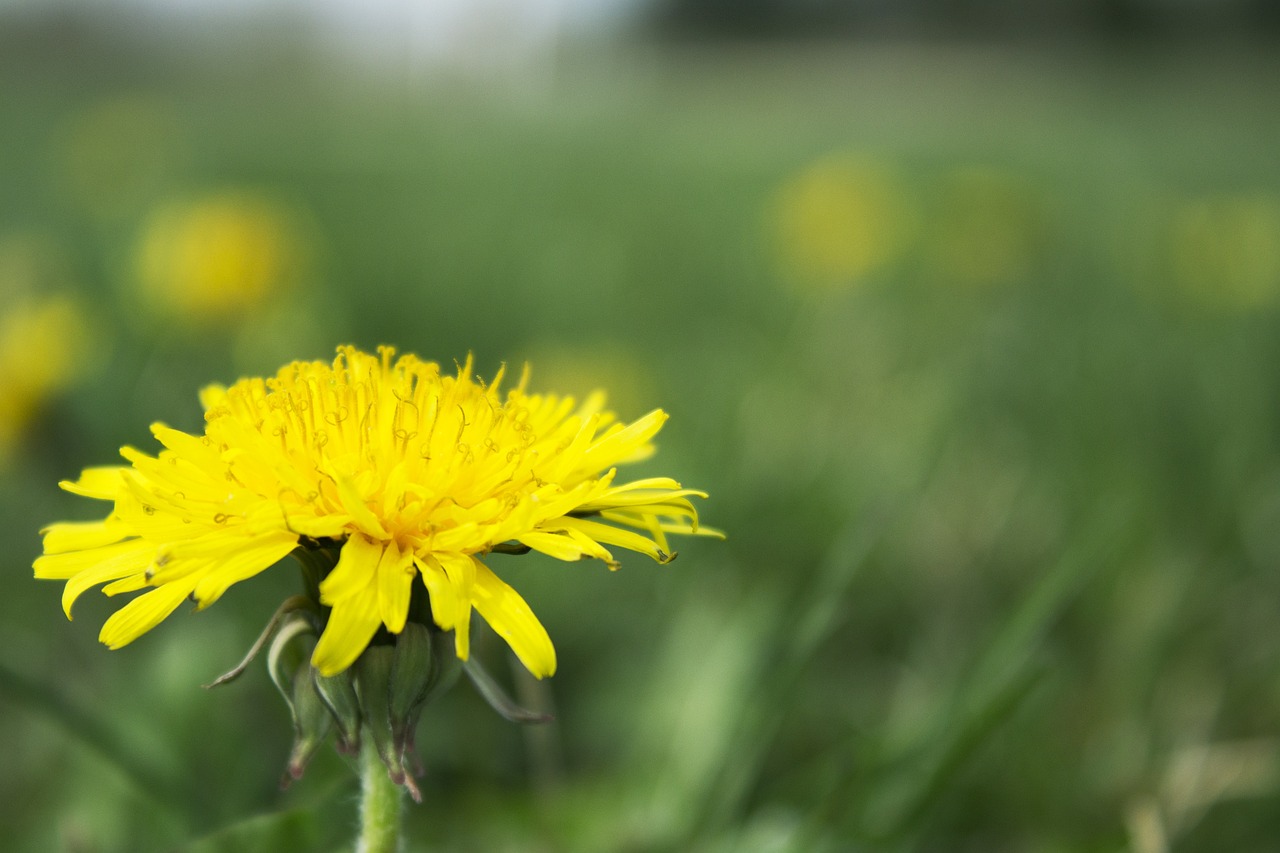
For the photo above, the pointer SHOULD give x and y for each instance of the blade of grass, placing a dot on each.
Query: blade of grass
(171, 794)
(1002, 676)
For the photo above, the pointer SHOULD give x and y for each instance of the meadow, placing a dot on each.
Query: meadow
(973, 347)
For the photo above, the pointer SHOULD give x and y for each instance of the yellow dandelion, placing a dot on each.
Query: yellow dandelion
(414, 474)
(211, 258)
(1226, 250)
(40, 342)
(842, 220)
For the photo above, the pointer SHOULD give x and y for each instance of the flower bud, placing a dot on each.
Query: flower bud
(287, 663)
(373, 684)
(311, 721)
(413, 674)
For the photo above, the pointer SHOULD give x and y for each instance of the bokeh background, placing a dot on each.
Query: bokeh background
(965, 313)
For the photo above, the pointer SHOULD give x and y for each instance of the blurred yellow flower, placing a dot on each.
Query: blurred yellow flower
(414, 474)
(1226, 250)
(841, 220)
(42, 332)
(986, 228)
(210, 259)
(40, 349)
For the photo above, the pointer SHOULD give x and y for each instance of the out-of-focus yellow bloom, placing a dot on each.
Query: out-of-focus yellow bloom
(841, 220)
(1226, 250)
(40, 354)
(212, 258)
(985, 229)
(42, 332)
(414, 474)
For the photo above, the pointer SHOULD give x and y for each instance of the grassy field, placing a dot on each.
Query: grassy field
(973, 348)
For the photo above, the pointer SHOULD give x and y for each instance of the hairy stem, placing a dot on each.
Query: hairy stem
(380, 801)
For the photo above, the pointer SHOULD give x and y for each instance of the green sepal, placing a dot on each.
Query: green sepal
(493, 693)
(290, 670)
(285, 657)
(413, 673)
(445, 675)
(294, 605)
(338, 692)
(316, 561)
(311, 722)
(373, 684)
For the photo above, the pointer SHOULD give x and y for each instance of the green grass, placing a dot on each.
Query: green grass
(1001, 562)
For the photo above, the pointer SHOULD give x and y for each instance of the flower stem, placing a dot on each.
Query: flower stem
(380, 801)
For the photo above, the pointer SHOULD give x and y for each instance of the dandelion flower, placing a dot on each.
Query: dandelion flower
(415, 475)
(211, 258)
(841, 221)
(1226, 250)
(38, 358)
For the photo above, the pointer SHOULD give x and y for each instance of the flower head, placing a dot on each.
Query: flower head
(414, 474)
(1226, 250)
(209, 259)
(841, 221)
(38, 358)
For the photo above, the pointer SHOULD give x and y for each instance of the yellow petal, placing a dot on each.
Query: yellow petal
(352, 624)
(553, 545)
(144, 613)
(623, 444)
(355, 572)
(395, 586)
(318, 527)
(131, 583)
(355, 506)
(81, 535)
(101, 483)
(241, 564)
(445, 604)
(590, 547)
(129, 560)
(566, 461)
(458, 537)
(616, 498)
(614, 536)
(194, 447)
(650, 483)
(64, 566)
(461, 571)
(513, 620)
(642, 520)
(212, 396)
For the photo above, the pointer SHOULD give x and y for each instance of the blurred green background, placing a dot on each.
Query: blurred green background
(972, 341)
